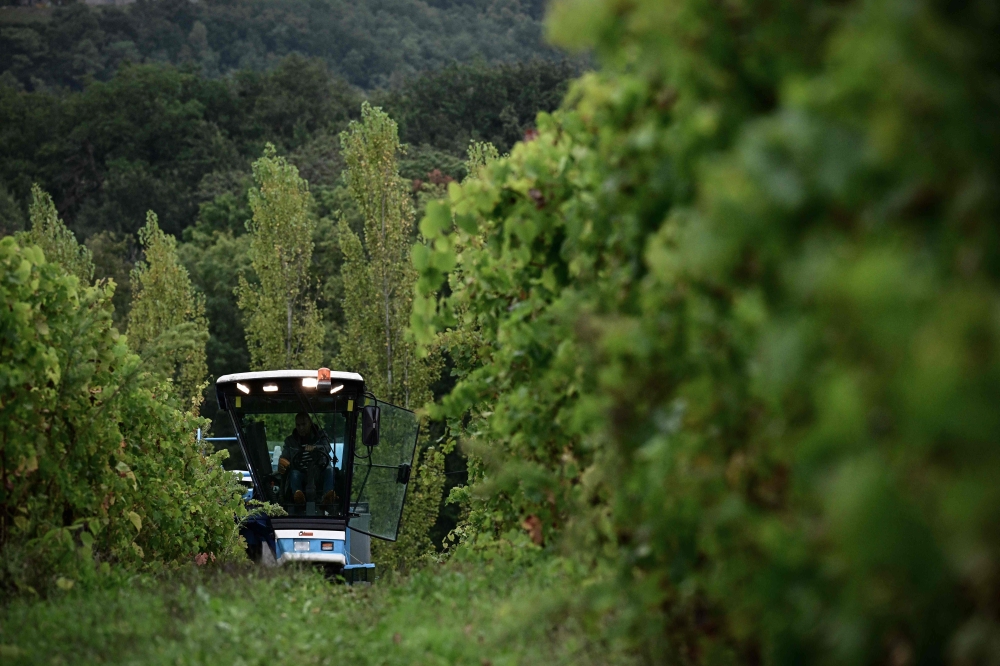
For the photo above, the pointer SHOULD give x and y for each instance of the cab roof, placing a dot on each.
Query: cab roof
(286, 374)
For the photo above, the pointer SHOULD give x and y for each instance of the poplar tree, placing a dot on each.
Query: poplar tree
(379, 280)
(479, 154)
(56, 240)
(377, 272)
(166, 323)
(283, 325)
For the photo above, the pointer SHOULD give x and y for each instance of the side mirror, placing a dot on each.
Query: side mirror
(369, 425)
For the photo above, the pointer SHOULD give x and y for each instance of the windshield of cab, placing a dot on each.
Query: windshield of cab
(296, 447)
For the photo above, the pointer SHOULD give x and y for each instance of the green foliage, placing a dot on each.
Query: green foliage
(367, 44)
(57, 242)
(114, 258)
(450, 107)
(419, 163)
(480, 154)
(166, 323)
(215, 261)
(100, 470)
(378, 281)
(215, 252)
(157, 138)
(283, 326)
(11, 216)
(257, 508)
(726, 322)
(142, 141)
(378, 277)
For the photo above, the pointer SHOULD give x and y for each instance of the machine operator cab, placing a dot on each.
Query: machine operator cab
(335, 458)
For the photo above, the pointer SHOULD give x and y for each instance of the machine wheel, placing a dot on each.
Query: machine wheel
(267, 558)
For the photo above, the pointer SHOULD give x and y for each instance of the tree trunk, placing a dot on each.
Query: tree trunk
(385, 299)
(406, 379)
(288, 338)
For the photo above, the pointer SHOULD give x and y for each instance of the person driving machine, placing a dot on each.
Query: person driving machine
(308, 448)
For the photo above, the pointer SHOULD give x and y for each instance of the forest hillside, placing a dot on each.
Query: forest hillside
(370, 44)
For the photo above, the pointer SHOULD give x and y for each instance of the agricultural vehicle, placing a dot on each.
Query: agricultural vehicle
(333, 456)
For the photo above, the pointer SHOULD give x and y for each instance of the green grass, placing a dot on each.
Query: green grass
(457, 613)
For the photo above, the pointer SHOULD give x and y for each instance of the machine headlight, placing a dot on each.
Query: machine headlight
(300, 546)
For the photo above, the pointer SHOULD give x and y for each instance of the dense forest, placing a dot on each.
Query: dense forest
(717, 332)
(369, 44)
(158, 138)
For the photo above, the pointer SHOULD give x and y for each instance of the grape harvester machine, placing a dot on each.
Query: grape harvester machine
(332, 456)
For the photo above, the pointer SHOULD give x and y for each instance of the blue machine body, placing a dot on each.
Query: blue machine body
(351, 455)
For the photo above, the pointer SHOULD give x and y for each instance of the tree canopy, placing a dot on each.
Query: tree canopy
(378, 279)
(57, 242)
(166, 320)
(283, 326)
(369, 44)
(154, 137)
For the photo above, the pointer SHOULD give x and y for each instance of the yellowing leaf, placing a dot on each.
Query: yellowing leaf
(136, 520)
(28, 465)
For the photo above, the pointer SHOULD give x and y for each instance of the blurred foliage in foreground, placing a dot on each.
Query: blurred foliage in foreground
(732, 322)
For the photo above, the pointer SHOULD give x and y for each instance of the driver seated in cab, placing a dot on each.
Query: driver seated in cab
(307, 448)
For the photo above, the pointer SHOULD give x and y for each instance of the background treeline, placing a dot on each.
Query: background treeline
(157, 138)
(370, 44)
